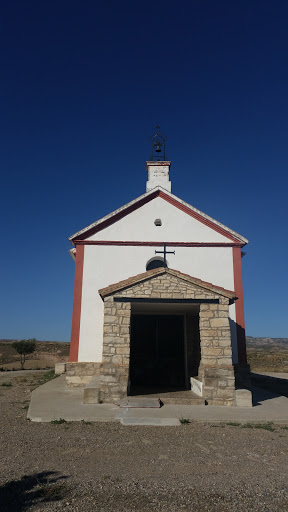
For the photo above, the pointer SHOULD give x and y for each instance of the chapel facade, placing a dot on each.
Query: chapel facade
(158, 302)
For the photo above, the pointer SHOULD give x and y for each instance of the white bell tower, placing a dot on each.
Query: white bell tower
(158, 167)
(158, 175)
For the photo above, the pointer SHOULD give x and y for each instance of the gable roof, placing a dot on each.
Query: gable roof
(131, 281)
(149, 196)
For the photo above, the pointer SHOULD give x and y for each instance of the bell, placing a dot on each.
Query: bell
(158, 149)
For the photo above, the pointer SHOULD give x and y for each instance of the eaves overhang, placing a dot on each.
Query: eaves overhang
(148, 196)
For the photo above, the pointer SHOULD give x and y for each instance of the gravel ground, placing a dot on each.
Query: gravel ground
(108, 467)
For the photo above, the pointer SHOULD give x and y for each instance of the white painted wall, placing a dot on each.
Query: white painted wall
(177, 226)
(158, 175)
(104, 265)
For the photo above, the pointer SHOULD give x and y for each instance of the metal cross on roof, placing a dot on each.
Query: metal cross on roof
(165, 252)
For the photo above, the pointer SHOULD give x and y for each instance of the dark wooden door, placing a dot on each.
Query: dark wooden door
(157, 355)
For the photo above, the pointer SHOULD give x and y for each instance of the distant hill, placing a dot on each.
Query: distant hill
(267, 354)
(47, 353)
(267, 342)
(264, 354)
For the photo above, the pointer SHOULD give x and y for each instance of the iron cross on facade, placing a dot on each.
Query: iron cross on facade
(165, 252)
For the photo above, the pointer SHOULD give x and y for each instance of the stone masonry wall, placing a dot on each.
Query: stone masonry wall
(80, 374)
(166, 286)
(216, 369)
(114, 374)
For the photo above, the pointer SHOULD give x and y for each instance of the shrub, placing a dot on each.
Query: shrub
(24, 347)
(184, 421)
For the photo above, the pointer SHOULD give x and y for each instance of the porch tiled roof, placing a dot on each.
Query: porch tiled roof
(150, 274)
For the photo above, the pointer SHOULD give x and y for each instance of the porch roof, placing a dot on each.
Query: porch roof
(150, 274)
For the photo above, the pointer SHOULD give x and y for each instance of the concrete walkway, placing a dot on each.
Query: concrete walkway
(54, 400)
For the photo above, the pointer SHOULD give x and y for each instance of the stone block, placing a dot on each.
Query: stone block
(106, 379)
(223, 307)
(60, 368)
(211, 382)
(213, 351)
(91, 392)
(219, 322)
(227, 351)
(224, 361)
(207, 332)
(243, 398)
(206, 314)
(226, 392)
(224, 300)
(208, 392)
(208, 361)
(123, 350)
(178, 295)
(77, 381)
(117, 359)
(110, 319)
(123, 312)
(224, 342)
(205, 324)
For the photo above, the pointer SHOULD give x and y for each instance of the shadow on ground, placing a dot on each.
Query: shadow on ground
(35, 489)
(266, 387)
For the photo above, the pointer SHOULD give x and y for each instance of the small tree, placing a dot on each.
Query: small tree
(24, 347)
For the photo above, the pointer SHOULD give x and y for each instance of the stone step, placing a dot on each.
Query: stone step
(91, 391)
(183, 401)
(139, 402)
(186, 397)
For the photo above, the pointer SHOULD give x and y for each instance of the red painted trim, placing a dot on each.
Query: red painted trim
(75, 331)
(157, 244)
(118, 216)
(239, 306)
(147, 199)
(163, 163)
(197, 216)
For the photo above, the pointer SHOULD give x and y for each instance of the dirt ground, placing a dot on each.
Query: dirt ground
(109, 467)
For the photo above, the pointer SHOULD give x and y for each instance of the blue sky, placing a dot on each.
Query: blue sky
(83, 86)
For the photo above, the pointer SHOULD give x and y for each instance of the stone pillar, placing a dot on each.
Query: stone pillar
(114, 373)
(216, 368)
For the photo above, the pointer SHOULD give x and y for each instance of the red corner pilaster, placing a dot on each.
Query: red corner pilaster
(75, 331)
(239, 306)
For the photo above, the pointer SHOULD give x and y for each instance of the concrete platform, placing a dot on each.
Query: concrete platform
(54, 400)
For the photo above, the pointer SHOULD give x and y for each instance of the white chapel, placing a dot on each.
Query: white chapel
(158, 301)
